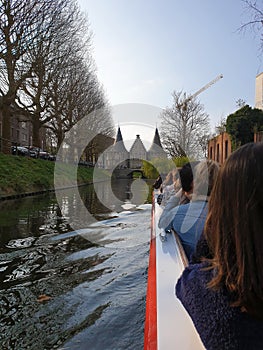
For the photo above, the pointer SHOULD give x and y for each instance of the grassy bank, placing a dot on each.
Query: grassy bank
(21, 175)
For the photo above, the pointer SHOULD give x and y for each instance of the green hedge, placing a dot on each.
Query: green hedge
(152, 169)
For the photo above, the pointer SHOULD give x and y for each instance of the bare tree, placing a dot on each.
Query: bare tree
(21, 24)
(76, 97)
(47, 72)
(51, 58)
(255, 10)
(184, 127)
(67, 87)
(221, 126)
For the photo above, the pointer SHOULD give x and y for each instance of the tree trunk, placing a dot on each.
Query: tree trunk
(36, 124)
(6, 129)
(60, 137)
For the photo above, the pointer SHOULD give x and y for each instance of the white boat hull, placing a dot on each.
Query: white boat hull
(167, 324)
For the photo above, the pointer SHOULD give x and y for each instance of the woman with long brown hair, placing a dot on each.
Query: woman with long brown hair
(223, 294)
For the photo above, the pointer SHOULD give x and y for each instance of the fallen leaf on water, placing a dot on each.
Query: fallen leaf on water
(43, 297)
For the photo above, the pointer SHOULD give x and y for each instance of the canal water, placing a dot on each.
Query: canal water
(63, 288)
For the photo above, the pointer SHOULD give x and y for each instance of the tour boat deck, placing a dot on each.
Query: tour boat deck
(167, 324)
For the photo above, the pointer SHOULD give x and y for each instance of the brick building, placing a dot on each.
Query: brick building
(20, 132)
(219, 147)
(258, 136)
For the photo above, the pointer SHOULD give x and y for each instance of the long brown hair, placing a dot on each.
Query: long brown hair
(234, 228)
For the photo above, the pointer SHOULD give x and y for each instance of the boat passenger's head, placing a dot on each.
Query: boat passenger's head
(205, 175)
(234, 228)
(186, 176)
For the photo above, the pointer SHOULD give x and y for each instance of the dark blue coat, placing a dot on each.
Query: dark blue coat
(219, 325)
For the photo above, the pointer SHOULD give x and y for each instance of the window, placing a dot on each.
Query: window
(217, 152)
(226, 149)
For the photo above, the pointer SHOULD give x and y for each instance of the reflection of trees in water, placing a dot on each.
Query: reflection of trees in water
(123, 189)
(113, 194)
(38, 215)
(32, 264)
(74, 272)
(45, 269)
(91, 201)
(101, 201)
(30, 216)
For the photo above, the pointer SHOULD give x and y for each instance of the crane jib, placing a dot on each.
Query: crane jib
(201, 90)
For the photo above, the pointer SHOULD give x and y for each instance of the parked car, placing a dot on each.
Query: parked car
(43, 154)
(33, 153)
(37, 152)
(20, 151)
(52, 157)
(85, 163)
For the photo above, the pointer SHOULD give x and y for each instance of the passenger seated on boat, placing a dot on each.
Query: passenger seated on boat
(170, 186)
(168, 180)
(189, 219)
(158, 182)
(182, 196)
(223, 295)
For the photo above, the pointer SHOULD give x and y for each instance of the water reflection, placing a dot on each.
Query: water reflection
(86, 284)
(38, 215)
(27, 217)
(83, 208)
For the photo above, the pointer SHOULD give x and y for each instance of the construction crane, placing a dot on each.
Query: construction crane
(184, 103)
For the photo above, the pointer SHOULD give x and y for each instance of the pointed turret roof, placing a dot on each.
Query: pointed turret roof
(119, 144)
(156, 149)
(156, 138)
(119, 136)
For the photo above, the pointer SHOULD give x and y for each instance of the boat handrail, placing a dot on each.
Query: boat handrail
(180, 248)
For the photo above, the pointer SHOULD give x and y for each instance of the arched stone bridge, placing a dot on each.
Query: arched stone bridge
(126, 173)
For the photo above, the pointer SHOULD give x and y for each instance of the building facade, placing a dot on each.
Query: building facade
(21, 132)
(219, 147)
(137, 153)
(117, 156)
(258, 136)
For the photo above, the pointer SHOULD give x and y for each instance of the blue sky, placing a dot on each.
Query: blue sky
(145, 49)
